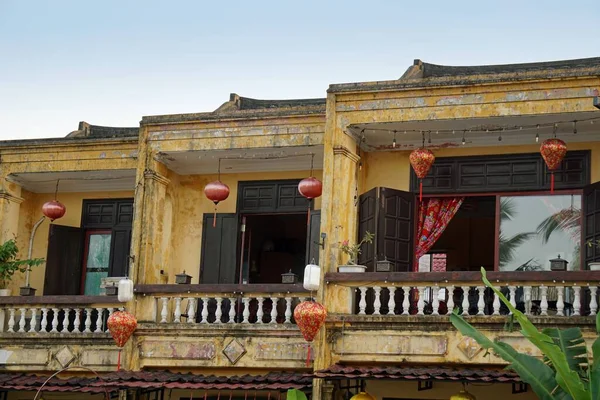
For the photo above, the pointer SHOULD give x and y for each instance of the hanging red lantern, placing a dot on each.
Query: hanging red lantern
(121, 325)
(310, 317)
(54, 209)
(553, 152)
(216, 192)
(310, 188)
(421, 160)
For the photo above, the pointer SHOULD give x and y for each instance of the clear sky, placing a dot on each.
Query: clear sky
(111, 62)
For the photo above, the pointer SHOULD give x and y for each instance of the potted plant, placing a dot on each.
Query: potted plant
(353, 250)
(9, 265)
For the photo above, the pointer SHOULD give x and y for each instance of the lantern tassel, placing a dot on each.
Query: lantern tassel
(119, 360)
(552, 182)
(420, 190)
(215, 217)
(308, 356)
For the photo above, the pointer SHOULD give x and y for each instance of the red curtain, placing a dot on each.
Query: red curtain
(434, 216)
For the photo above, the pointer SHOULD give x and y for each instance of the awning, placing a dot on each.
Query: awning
(148, 380)
(417, 373)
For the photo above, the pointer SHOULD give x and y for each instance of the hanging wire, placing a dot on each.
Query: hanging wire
(429, 140)
(463, 137)
(554, 130)
(219, 171)
(575, 127)
(394, 141)
(312, 163)
(423, 139)
(56, 189)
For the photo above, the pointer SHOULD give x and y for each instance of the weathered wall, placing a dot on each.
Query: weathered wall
(185, 205)
(31, 211)
(392, 169)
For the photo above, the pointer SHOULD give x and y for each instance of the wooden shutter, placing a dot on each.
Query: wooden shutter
(219, 245)
(395, 229)
(119, 253)
(389, 214)
(313, 237)
(63, 261)
(591, 223)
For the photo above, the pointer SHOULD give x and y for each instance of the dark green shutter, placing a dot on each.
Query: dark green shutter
(314, 237)
(219, 248)
(63, 261)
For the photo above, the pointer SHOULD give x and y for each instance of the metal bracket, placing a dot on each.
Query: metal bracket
(519, 387)
(424, 385)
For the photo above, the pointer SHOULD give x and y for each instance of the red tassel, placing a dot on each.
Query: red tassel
(552, 182)
(308, 356)
(421, 190)
(215, 217)
(119, 361)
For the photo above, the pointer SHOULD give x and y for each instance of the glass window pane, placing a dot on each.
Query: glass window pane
(536, 229)
(97, 262)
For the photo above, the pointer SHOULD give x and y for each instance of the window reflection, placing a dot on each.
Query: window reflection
(536, 229)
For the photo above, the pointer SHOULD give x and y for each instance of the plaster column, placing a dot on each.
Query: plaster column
(10, 205)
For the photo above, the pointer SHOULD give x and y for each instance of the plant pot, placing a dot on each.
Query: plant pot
(5, 292)
(112, 290)
(594, 266)
(352, 268)
(27, 291)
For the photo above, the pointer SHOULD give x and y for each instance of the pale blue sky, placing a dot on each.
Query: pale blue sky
(111, 62)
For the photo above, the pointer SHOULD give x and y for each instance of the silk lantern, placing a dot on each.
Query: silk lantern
(54, 209)
(553, 152)
(121, 326)
(216, 192)
(310, 317)
(421, 160)
(310, 188)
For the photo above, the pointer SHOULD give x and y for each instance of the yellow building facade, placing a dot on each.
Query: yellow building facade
(216, 284)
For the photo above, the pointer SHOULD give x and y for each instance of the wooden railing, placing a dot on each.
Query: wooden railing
(438, 293)
(223, 304)
(56, 314)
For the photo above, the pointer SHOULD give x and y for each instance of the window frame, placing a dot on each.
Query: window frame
(498, 195)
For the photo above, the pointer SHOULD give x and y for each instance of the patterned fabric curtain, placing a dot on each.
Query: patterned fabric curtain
(434, 216)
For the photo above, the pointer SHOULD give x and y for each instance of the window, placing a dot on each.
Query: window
(96, 261)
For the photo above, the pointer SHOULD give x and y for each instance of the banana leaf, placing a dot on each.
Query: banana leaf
(295, 394)
(572, 345)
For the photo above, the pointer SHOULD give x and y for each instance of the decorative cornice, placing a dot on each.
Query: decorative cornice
(11, 198)
(341, 150)
(149, 174)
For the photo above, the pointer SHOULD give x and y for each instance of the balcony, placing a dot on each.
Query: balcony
(409, 312)
(220, 325)
(52, 332)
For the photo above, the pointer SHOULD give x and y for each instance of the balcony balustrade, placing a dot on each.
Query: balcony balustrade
(223, 304)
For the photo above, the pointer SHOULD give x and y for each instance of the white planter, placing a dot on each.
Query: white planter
(4, 292)
(594, 266)
(352, 268)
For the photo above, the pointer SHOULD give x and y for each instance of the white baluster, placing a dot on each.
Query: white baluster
(377, 301)
(512, 290)
(218, 311)
(362, 304)
(288, 310)
(111, 310)
(99, 321)
(246, 312)
(55, 312)
(496, 304)
(435, 302)
(11, 320)
(405, 300)
(44, 321)
(560, 302)
(164, 311)
(421, 301)
(67, 314)
(544, 300)
(465, 300)
(450, 302)
(232, 301)
(204, 310)
(88, 320)
(577, 300)
(392, 300)
(177, 313)
(23, 314)
(480, 301)
(273, 310)
(527, 299)
(191, 310)
(593, 300)
(77, 320)
(33, 321)
(259, 311)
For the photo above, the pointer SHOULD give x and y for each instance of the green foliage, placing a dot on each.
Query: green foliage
(565, 373)
(353, 250)
(295, 394)
(9, 264)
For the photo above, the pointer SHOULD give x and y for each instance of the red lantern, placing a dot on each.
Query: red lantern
(54, 209)
(553, 151)
(309, 316)
(216, 192)
(421, 160)
(121, 325)
(310, 188)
